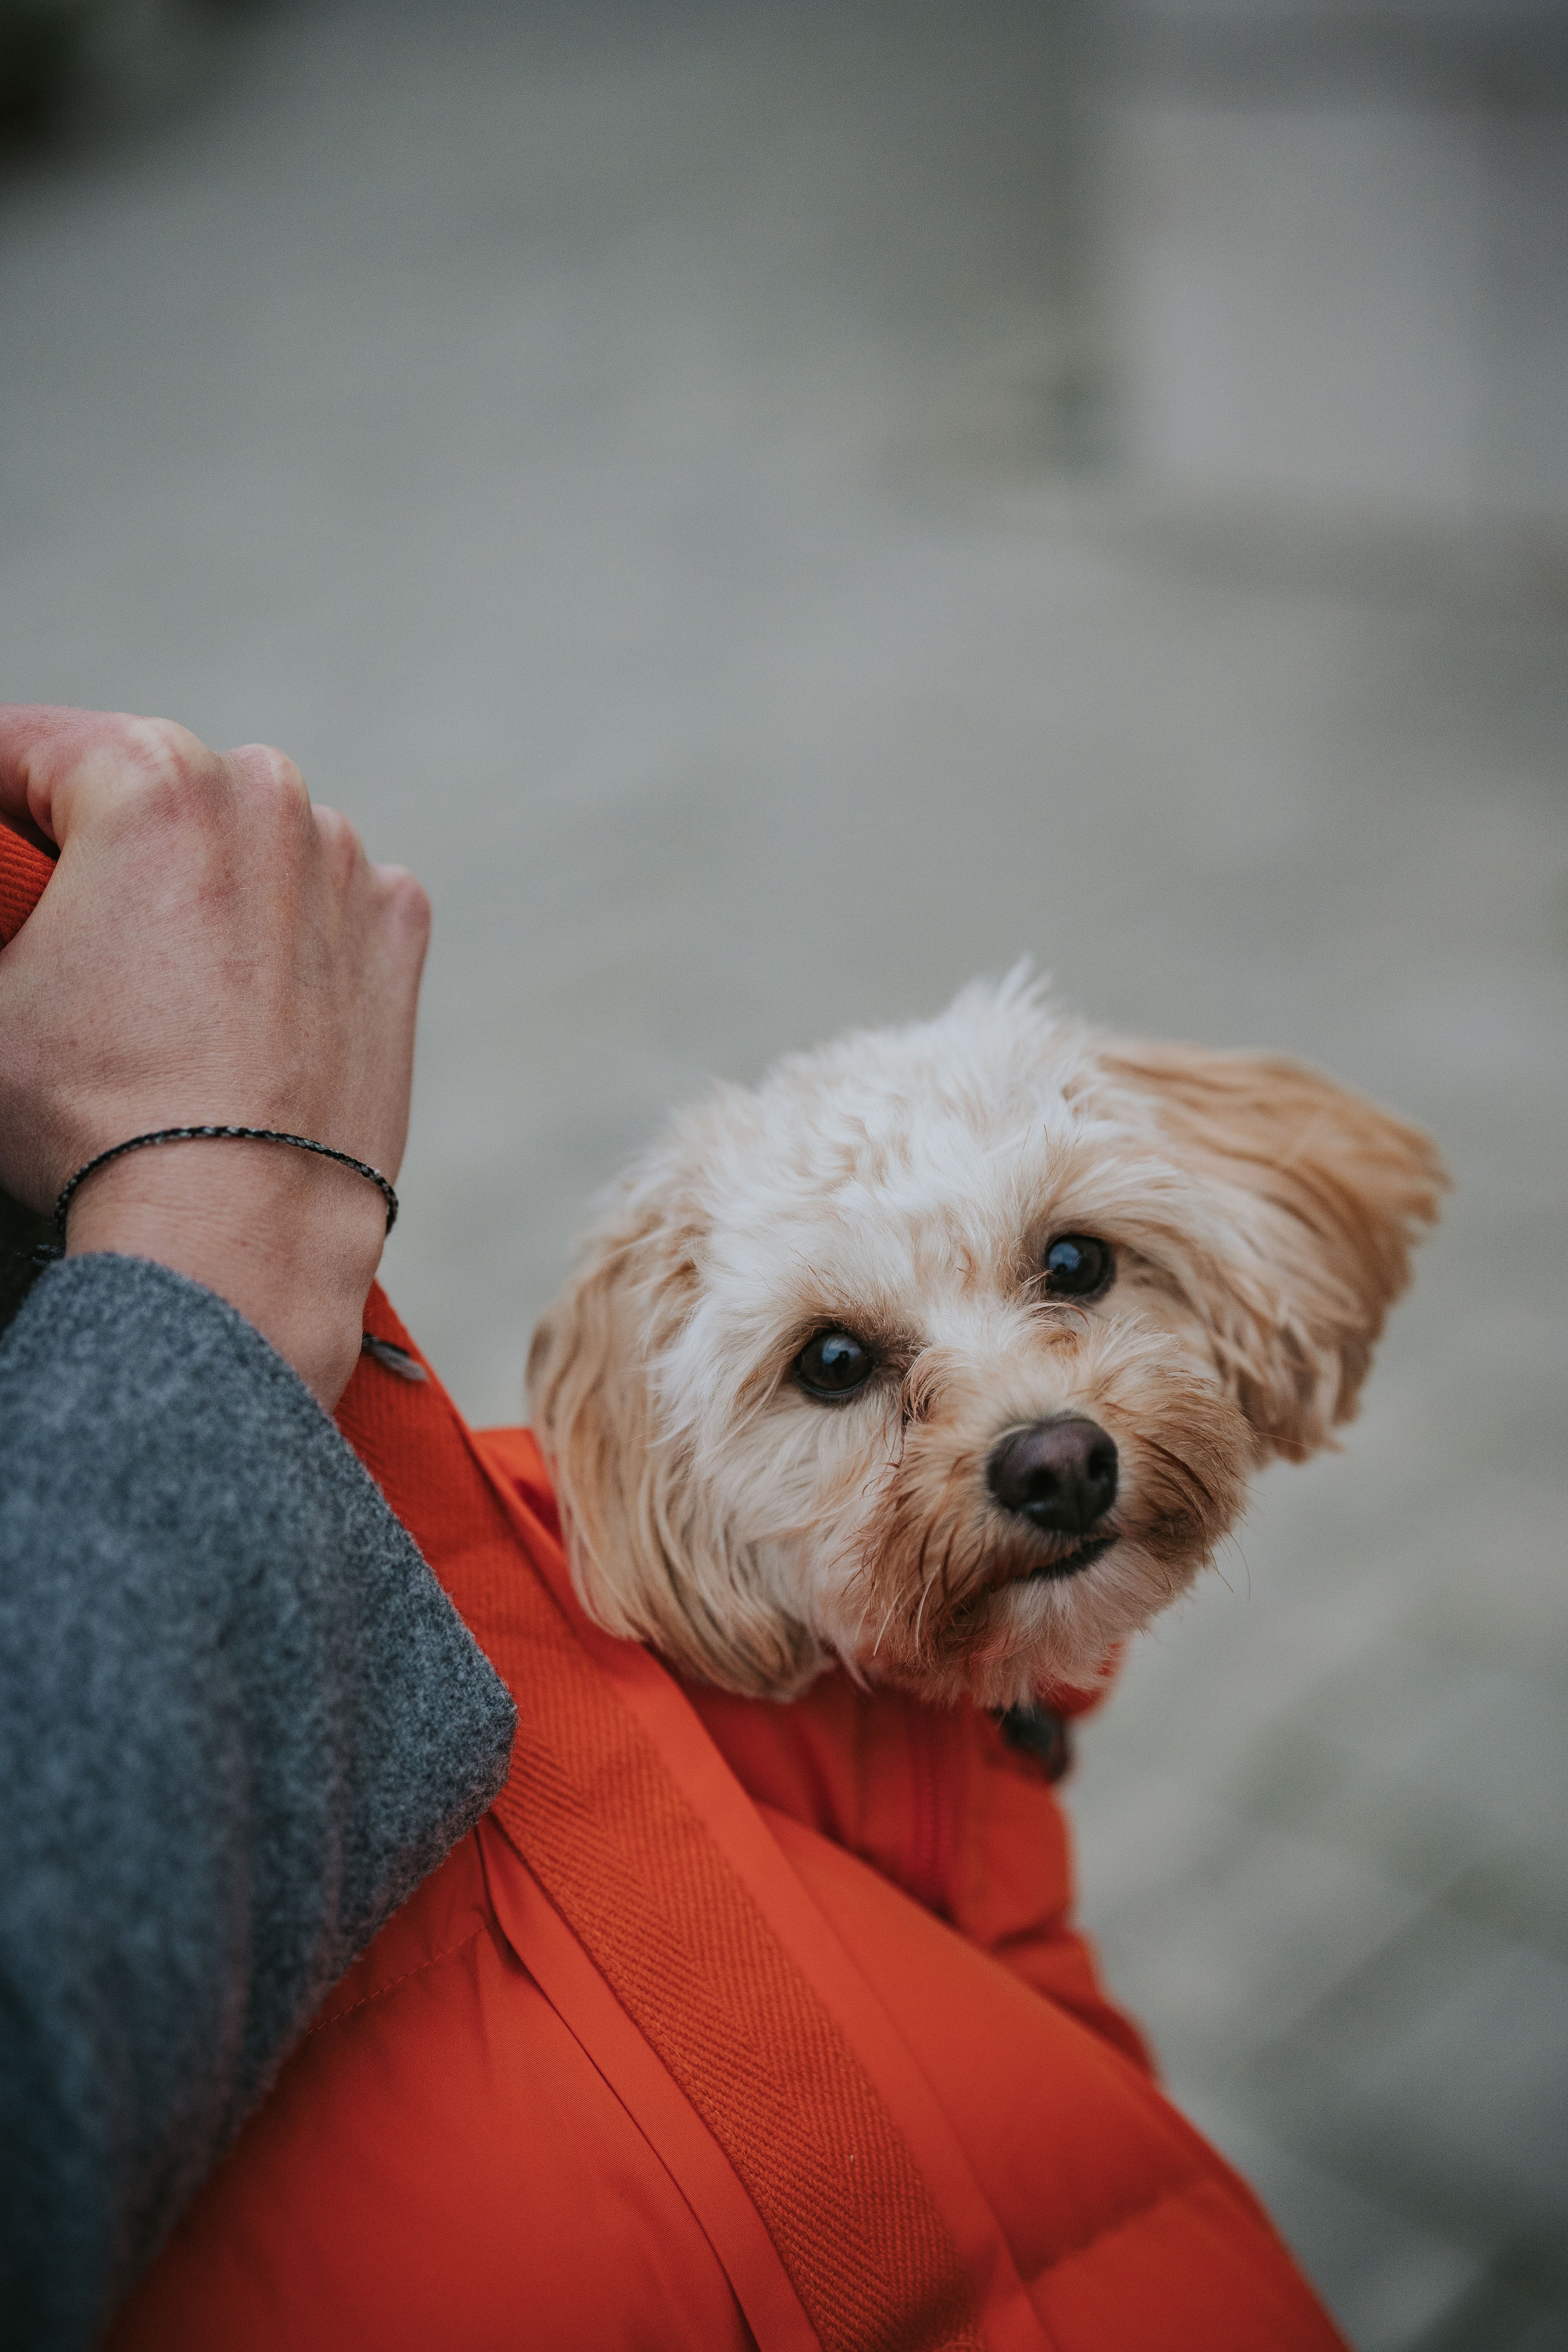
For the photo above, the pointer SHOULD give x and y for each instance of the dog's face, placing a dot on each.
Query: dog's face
(948, 1351)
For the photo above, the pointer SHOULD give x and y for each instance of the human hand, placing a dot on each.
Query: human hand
(212, 948)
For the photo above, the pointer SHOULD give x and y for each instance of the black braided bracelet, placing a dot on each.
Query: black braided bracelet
(233, 1134)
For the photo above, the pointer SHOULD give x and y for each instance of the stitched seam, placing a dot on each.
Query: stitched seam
(324, 2024)
(1124, 2221)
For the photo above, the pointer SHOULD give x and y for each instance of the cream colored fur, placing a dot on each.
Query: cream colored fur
(903, 1184)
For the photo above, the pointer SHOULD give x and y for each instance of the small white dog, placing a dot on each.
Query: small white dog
(947, 1351)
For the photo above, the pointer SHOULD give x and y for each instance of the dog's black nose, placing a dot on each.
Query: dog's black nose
(1060, 1475)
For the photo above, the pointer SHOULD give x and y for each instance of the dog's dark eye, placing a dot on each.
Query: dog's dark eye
(1077, 1266)
(834, 1364)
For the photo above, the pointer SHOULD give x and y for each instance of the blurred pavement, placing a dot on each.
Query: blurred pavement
(772, 511)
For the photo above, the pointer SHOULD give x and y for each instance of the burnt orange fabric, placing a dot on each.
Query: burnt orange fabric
(24, 871)
(936, 1800)
(732, 2024)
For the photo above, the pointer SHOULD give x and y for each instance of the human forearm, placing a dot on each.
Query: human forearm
(289, 1241)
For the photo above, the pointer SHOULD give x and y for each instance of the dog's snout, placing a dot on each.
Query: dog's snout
(1059, 1475)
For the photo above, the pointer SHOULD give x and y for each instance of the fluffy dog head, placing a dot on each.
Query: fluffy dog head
(948, 1351)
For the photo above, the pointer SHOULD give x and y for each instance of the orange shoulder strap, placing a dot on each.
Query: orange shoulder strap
(667, 1878)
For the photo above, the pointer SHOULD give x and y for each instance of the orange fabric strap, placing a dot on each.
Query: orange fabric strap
(639, 1877)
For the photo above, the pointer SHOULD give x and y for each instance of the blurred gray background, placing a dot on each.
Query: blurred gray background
(773, 510)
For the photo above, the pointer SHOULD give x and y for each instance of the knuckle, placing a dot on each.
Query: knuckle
(165, 758)
(338, 837)
(270, 773)
(407, 900)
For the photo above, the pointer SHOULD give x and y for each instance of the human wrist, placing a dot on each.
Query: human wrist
(289, 1241)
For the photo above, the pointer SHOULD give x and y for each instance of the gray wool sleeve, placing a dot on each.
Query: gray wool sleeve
(240, 1720)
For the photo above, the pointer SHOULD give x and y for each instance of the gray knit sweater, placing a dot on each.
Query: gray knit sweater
(239, 1722)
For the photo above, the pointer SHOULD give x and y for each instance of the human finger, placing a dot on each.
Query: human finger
(341, 848)
(263, 770)
(405, 912)
(56, 764)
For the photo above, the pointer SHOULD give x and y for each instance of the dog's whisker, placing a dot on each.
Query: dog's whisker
(946, 1570)
(1232, 1541)
(876, 1644)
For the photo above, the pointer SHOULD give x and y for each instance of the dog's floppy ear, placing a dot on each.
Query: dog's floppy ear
(590, 1399)
(651, 1560)
(1316, 1198)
